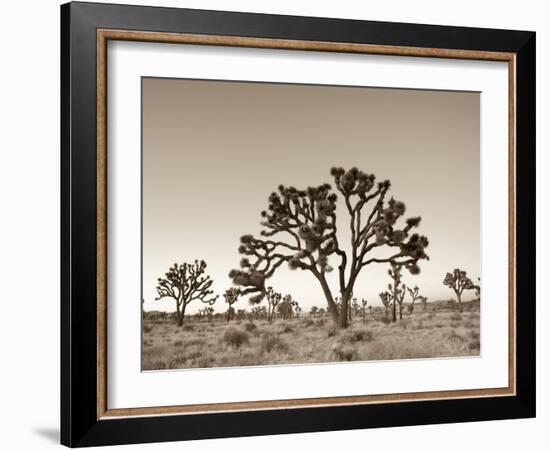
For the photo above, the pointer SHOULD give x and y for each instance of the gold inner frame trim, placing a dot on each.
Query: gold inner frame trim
(104, 35)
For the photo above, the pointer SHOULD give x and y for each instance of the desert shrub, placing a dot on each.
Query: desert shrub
(308, 322)
(419, 325)
(178, 343)
(195, 341)
(287, 328)
(235, 338)
(157, 365)
(249, 326)
(456, 316)
(271, 342)
(332, 331)
(204, 361)
(320, 322)
(439, 325)
(385, 320)
(345, 352)
(147, 328)
(178, 361)
(453, 336)
(188, 327)
(404, 323)
(357, 336)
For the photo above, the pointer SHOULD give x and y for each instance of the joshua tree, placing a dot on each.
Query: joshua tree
(207, 312)
(297, 309)
(259, 312)
(355, 307)
(300, 230)
(231, 295)
(386, 299)
(424, 300)
(400, 297)
(458, 281)
(414, 293)
(314, 311)
(397, 290)
(286, 307)
(273, 299)
(363, 308)
(186, 283)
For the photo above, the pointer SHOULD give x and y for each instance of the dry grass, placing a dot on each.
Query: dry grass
(424, 334)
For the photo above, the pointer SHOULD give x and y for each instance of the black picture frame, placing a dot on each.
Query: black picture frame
(80, 425)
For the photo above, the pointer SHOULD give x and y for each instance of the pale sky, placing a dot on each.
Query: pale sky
(213, 151)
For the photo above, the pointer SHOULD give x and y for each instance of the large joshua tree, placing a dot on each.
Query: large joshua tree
(458, 281)
(186, 283)
(301, 231)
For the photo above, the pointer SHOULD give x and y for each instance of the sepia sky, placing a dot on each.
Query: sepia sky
(213, 151)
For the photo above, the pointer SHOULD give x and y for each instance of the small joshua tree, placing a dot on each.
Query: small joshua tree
(300, 230)
(231, 295)
(386, 299)
(400, 297)
(458, 281)
(186, 283)
(397, 292)
(286, 307)
(259, 312)
(273, 299)
(363, 308)
(355, 307)
(424, 300)
(314, 311)
(297, 309)
(415, 295)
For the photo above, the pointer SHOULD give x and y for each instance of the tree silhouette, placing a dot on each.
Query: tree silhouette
(424, 300)
(415, 295)
(273, 299)
(286, 307)
(386, 299)
(363, 308)
(231, 295)
(186, 283)
(458, 281)
(397, 290)
(300, 230)
(314, 311)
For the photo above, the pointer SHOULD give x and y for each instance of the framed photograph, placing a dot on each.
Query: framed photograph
(277, 224)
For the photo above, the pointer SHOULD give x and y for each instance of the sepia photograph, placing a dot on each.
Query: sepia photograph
(298, 224)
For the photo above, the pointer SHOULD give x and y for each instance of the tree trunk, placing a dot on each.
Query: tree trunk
(179, 316)
(343, 315)
(394, 311)
(460, 307)
(330, 301)
(400, 311)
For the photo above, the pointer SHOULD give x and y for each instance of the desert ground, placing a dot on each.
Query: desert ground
(438, 330)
